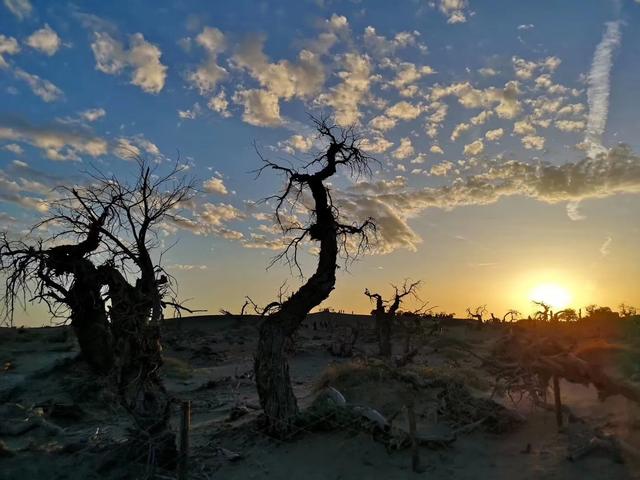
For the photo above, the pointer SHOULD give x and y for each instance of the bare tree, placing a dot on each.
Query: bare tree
(114, 264)
(627, 310)
(512, 314)
(67, 281)
(384, 317)
(283, 318)
(545, 314)
(478, 313)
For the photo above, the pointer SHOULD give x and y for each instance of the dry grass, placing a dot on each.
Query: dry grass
(353, 374)
(176, 368)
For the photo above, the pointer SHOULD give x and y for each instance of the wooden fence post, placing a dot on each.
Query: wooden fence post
(557, 401)
(185, 427)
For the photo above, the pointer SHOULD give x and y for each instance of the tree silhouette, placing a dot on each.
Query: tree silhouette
(384, 318)
(545, 314)
(512, 314)
(109, 231)
(478, 313)
(283, 317)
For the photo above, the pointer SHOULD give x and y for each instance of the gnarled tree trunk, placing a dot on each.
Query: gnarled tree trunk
(138, 358)
(385, 325)
(89, 322)
(271, 366)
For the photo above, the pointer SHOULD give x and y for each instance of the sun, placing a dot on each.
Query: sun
(552, 294)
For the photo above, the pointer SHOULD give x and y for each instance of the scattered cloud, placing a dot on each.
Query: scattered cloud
(493, 135)
(261, 107)
(573, 211)
(215, 185)
(207, 76)
(605, 248)
(404, 150)
(454, 10)
(617, 171)
(346, 97)
(45, 40)
(8, 46)
(20, 8)
(93, 114)
(142, 57)
(474, 148)
(41, 87)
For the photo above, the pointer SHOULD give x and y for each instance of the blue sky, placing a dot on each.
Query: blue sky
(497, 126)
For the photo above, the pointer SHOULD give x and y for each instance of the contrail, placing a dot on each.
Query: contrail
(599, 87)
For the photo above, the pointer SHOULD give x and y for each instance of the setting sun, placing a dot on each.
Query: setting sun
(552, 294)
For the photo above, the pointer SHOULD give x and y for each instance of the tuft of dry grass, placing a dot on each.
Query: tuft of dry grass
(353, 374)
(176, 368)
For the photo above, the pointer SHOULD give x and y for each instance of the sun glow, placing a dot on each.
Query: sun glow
(552, 294)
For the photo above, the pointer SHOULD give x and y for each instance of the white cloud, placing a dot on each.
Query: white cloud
(459, 130)
(93, 114)
(523, 127)
(13, 148)
(382, 123)
(215, 185)
(346, 97)
(376, 145)
(383, 47)
(617, 171)
(57, 141)
(570, 125)
(207, 76)
(299, 143)
(45, 40)
(605, 248)
(493, 135)
(504, 101)
(284, 79)
(573, 211)
(488, 72)
(533, 142)
(454, 10)
(219, 103)
(261, 107)
(142, 57)
(474, 148)
(20, 8)
(41, 87)
(8, 46)
(129, 148)
(190, 113)
(403, 111)
(404, 150)
(599, 87)
(525, 69)
(441, 169)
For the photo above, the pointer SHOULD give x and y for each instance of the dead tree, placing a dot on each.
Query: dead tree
(384, 317)
(511, 314)
(544, 314)
(67, 281)
(478, 313)
(114, 264)
(137, 285)
(324, 227)
(627, 310)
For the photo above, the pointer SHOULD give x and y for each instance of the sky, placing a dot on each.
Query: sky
(505, 134)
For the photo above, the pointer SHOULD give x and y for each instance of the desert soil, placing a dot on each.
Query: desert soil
(57, 421)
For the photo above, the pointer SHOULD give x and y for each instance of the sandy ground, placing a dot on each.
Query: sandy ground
(209, 362)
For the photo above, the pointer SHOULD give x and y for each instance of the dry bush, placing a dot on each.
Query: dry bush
(441, 392)
(177, 368)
